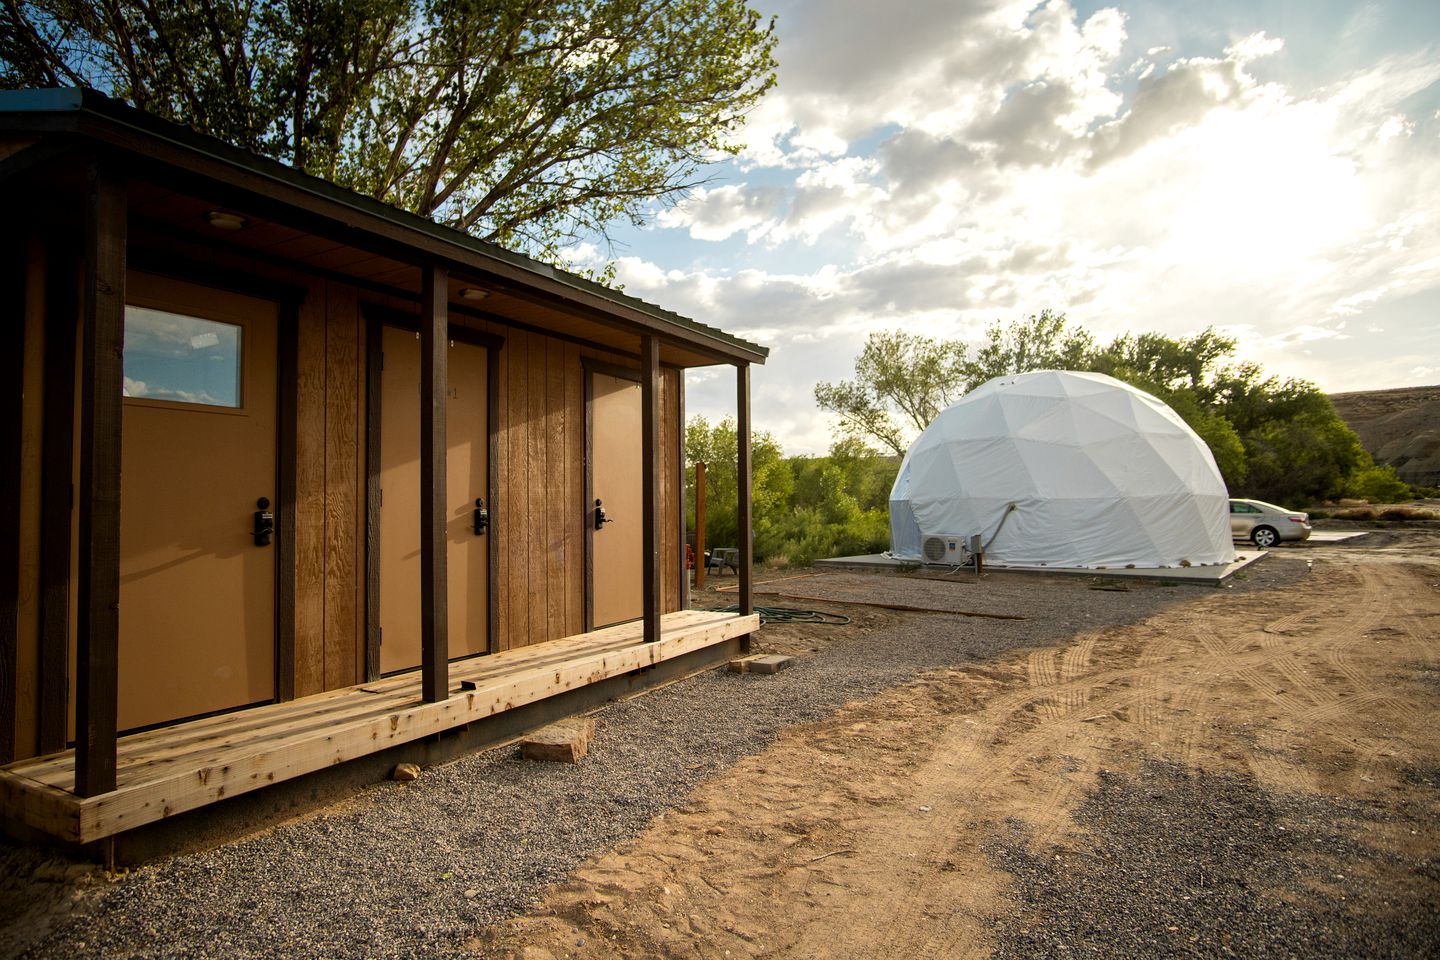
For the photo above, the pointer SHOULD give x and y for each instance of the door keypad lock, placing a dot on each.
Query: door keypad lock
(600, 518)
(264, 527)
(482, 517)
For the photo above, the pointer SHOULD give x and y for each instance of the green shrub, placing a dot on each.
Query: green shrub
(1377, 484)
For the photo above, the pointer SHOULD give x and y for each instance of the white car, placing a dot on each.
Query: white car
(1265, 524)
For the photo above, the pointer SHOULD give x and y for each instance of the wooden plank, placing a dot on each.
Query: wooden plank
(500, 499)
(652, 511)
(145, 756)
(145, 762)
(673, 566)
(588, 461)
(150, 754)
(493, 419)
(362, 503)
(103, 336)
(310, 481)
(374, 363)
(342, 486)
(434, 400)
(57, 478)
(555, 467)
(536, 470)
(27, 667)
(745, 484)
(516, 488)
(280, 759)
(13, 289)
(680, 499)
(48, 809)
(574, 492)
(285, 512)
(700, 523)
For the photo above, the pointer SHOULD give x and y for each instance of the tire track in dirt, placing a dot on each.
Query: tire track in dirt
(1055, 694)
(893, 865)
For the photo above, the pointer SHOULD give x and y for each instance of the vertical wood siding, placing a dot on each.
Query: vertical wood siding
(538, 507)
(310, 496)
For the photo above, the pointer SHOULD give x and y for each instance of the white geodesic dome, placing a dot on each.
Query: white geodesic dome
(1100, 474)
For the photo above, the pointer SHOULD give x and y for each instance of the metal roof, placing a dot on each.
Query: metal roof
(91, 114)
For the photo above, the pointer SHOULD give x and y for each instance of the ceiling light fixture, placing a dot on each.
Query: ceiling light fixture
(221, 220)
(473, 293)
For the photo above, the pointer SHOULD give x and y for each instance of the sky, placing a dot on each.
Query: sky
(1271, 169)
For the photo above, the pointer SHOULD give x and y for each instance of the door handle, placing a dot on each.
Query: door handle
(600, 518)
(264, 523)
(481, 519)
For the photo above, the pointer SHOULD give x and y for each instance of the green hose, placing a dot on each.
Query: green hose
(791, 615)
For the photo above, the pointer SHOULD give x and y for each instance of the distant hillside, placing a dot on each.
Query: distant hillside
(1399, 427)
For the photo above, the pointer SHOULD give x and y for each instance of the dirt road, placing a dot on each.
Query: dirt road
(1239, 774)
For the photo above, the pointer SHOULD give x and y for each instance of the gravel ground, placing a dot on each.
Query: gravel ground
(1185, 863)
(413, 869)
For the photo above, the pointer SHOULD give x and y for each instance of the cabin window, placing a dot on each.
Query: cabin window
(182, 359)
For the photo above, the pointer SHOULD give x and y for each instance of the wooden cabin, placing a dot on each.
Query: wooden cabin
(290, 477)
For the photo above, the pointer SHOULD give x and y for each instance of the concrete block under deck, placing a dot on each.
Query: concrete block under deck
(167, 771)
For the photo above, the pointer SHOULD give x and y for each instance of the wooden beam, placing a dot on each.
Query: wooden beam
(745, 488)
(57, 482)
(103, 333)
(650, 486)
(13, 269)
(434, 610)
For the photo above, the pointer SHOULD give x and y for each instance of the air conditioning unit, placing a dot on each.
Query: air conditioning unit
(945, 548)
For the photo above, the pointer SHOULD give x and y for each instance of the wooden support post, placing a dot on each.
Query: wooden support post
(13, 269)
(700, 523)
(434, 608)
(743, 482)
(684, 593)
(103, 333)
(650, 485)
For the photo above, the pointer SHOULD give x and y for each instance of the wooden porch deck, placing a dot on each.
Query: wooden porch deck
(167, 771)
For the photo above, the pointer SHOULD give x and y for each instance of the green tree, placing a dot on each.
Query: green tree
(803, 507)
(1272, 438)
(1038, 342)
(902, 381)
(528, 123)
(717, 447)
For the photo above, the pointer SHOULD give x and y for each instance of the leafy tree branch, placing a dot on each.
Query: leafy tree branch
(528, 123)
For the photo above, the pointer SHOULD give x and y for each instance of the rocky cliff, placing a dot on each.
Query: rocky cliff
(1400, 427)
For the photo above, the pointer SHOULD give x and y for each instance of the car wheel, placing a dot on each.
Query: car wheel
(1264, 537)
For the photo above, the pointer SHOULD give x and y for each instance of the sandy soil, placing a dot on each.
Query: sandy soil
(873, 833)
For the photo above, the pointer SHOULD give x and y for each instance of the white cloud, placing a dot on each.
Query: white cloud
(724, 211)
(1011, 174)
(1253, 47)
(1395, 126)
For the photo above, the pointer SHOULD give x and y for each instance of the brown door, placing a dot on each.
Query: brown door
(198, 454)
(467, 474)
(616, 587)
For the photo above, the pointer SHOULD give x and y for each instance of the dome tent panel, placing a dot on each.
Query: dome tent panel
(1101, 474)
